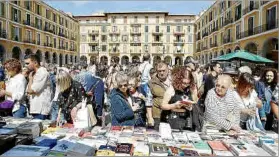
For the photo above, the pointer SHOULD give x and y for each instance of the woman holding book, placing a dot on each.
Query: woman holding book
(122, 106)
(15, 88)
(178, 100)
(249, 117)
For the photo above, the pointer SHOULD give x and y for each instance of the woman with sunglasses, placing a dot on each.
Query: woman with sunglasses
(249, 118)
(122, 107)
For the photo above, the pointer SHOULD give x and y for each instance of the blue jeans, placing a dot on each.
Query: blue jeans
(39, 116)
(20, 113)
(54, 112)
(144, 88)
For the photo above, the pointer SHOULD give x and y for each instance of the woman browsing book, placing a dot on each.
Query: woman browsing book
(179, 99)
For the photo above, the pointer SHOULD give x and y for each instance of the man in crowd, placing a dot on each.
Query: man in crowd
(221, 106)
(38, 88)
(158, 85)
(94, 88)
(144, 68)
(209, 82)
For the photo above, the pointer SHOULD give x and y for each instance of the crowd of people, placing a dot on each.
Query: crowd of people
(187, 97)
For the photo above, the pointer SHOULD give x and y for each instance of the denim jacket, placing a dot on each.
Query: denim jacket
(265, 94)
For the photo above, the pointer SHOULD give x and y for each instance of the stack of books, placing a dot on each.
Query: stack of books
(127, 131)
(272, 149)
(63, 146)
(242, 149)
(30, 128)
(180, 136)
(27, 150)
(81, 150)
(165, 131)
(193, 137)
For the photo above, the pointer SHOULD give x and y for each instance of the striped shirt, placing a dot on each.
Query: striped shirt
(223, 112)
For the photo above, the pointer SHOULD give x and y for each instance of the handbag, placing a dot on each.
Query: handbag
(7, 104)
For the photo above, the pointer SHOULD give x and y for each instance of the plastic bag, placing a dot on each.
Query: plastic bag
(85, 117)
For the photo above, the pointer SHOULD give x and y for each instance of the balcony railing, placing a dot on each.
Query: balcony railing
(3, 34)
(135, 51)
(178, 32)
(260, 29)
(264, 2)
(198, 49)
(93, 32)
(62, 47)
(204, 48)
(198, 37)
(29, 41)
(227, 40)
(157, 32)
(48, 44)
(204, 34)
(114, 32)
(38, 42)
(228, 21)
(48, 30)
(178, 41)
(135, 32)
(135, 41)
(28, 23)
(250, 8)
(213, 45)
(157, 41)
(62, 35)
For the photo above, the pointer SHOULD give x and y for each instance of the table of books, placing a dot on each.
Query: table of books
(27, 137)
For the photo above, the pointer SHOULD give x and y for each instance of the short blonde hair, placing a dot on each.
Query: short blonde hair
(64, 80)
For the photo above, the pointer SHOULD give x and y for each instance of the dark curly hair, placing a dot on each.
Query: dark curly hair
(180, 73)
(274, 82)
(13, 64)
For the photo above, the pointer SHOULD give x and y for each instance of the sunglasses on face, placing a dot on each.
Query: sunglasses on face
(123, 85)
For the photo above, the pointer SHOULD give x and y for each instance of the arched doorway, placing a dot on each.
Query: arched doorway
(115, 59)
(168, 60)
(47, 58)
(16, 53)
(178, 61)
(93, 60)
(135, 59)
(83, 59)
(125, 60)
(104, 60)
(54, 58)
(229, 51)
(2, 54)
(270, 49)
(39, 54)
(156, 59)
(28, 52)
(251, 47)
(66, 59)
(236, 48)
(60, 60)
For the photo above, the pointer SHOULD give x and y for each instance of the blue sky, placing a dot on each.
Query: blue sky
(89, 7)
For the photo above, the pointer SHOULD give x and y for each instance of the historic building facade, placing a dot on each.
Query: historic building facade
(228, 26)
(124, 37)
(35, 27)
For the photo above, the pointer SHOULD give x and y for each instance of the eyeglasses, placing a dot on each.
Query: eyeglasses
(125, 85)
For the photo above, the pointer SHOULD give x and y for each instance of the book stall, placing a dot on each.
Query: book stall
(26, 137)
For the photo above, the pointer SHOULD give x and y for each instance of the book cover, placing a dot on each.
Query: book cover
(27, 150)
(105, 153)
(107, 147)
(141, 149)
(180, 136)
(193, 137)
(222, 153)
(158, 148)
(81, 149)
(174, 151)
(63, 146)
(217, 145)
(202, 147)
(54, 153)
(47, 143)
(124, 149)
(187, 152)
(188, 146)
(242, 149)
(116, 128)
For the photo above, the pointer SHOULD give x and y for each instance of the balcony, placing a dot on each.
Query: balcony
(62, 47)
(271, 25)
(28, 23)
(133, 32)
(250, 8)
(93, 42)
(227, 40)
(38, 42)
(114, 41)
(48, 44)
(114, 51)
(205, 34)
(178, 41)
(213, 45)
(16, 19)
(135, 51)
(157, 32)
(29, 41)
(228, 21)
(204, 48)
(214, 29)
(157, 42)
(178, 32)
(73, 49)
(3, 34)
(198, 49)
(116, 32)
(93, 32)
(135, 24)
(198, 37)
(176, 52)
(93, 53)
(62, 35)
(135, 41)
